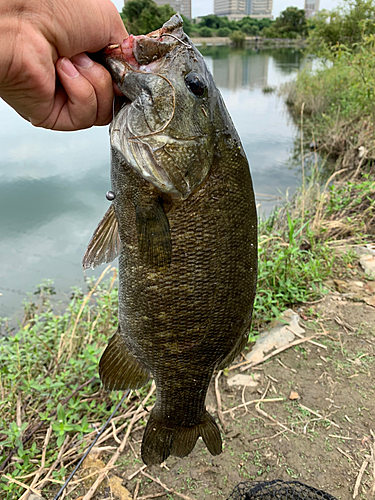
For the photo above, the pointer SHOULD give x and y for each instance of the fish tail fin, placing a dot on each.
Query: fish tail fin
(160, 441)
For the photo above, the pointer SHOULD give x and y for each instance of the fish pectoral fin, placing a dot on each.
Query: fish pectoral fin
(154, 235)
(161, 440)
(119, 369)
(105, 244)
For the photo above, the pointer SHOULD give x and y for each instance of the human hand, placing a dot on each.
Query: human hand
(44, 73)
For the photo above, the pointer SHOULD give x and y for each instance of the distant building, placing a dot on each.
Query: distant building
(311, 7)
(181, 6)
(237, 9)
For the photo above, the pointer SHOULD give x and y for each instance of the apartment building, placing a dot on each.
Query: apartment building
(311, 7)
(237, 9)
(181, 6)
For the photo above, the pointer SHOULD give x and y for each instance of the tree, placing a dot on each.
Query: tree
(205, 32)
(238, 38)
(344, 25)
(290, 24)
(142, 16)
(223, 32)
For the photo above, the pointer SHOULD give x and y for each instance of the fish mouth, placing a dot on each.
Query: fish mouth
(140, 51)
(146, 150)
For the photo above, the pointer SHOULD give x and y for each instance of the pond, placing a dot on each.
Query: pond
(53, 184)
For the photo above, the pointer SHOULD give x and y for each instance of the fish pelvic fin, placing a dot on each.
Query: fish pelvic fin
(161, 440)
(105, 244)
(119, 369)
(154, 235)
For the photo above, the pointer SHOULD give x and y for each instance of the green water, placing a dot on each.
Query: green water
(53, 184)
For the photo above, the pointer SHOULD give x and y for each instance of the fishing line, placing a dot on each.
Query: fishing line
(91, 446)
(178, 39)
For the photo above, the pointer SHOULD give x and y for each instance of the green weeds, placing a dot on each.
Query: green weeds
(42, 367)
(292, 268)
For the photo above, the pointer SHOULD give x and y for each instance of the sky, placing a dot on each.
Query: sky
(204, 7)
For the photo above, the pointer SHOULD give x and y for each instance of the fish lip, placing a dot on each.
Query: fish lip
(141, 50)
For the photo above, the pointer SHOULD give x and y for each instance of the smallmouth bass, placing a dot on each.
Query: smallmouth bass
(183, 222)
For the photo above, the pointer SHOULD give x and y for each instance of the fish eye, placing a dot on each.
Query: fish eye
(195, 84)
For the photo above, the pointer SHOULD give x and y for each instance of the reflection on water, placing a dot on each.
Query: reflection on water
(53, 184)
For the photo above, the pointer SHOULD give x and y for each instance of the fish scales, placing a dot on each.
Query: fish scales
(187, 263)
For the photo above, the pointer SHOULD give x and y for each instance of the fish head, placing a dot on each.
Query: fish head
(166, 129)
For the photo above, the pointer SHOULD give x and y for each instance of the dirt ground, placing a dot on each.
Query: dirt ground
(323, 438)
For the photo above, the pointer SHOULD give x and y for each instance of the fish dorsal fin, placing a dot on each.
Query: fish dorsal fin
(154, 236)
(105, 244)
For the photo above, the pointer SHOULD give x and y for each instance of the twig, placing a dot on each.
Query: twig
(156, 495)
(218, 399)
(272, 437)
(273, 400)
(310, 341)
(114, 433)
(345, 454)
(18, 411)
(286, 367)
(342, 437)
(137, 472)
(372, 493)
(135, 494)
(40, 472)
(277, 351)
(303, 166)
(138, 414)
(262, 412)
(55, 464)
(359, 477)
(85, 300)
(156, 480)
(318, 415)
(28, 488)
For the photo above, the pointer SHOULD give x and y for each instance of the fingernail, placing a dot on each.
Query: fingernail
(68, 68)
(82, 60)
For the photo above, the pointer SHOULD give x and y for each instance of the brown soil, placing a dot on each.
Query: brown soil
(321, 439)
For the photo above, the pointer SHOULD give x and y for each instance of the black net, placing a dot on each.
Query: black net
(277, 489)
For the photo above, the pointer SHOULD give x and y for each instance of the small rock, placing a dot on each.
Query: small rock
(368, 264)
(362, 151)
(33, 496)
(370, 287)
(118, 490)
(365, 250)
(293, 395)
(371, 301)
(280, 335)
(241, 379)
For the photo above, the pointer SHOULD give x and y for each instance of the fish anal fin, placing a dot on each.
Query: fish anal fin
(105, 244)
(161, 440)
(154, 235)
(119, 369)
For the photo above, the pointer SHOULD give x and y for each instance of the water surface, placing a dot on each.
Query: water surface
(53, 184)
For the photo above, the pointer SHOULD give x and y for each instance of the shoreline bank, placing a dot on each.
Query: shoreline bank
(251, 41)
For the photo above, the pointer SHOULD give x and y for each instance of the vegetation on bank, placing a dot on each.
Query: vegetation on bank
(337, 95)
(52, 403)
